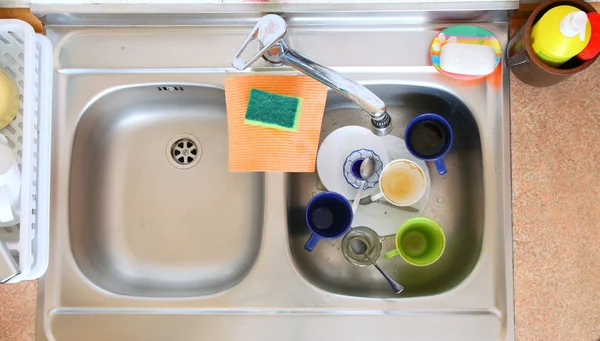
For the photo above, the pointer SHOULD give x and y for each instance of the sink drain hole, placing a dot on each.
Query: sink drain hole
(184, 151)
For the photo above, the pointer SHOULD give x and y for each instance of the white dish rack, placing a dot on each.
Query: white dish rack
(27, 58)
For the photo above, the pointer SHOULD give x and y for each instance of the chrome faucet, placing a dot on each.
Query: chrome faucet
(270, 33)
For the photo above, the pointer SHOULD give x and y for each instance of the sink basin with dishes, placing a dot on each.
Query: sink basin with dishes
(456, 201)
(154, 239)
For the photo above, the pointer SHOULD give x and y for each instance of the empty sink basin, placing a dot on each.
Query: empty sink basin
(456, 202)
(153, 209)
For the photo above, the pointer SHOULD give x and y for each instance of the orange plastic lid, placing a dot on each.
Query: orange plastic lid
(593, 47)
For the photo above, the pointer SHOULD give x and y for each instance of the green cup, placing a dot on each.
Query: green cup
(420, 241)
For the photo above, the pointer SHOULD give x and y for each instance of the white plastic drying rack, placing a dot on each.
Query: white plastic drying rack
(27, 58)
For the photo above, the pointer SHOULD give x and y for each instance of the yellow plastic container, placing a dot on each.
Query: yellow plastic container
(9, 99)
(560, 34)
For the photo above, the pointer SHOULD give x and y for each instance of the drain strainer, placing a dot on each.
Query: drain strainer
(184, 151)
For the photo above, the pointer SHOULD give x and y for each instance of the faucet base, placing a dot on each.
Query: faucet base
(382, 126)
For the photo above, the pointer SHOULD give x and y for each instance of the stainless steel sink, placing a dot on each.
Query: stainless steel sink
(147, 245)
(153, 210)
(456, 201)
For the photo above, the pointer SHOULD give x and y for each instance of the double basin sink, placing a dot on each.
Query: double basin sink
(154, 239)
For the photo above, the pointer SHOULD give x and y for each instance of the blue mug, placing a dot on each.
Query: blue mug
(429, 137)
(328, 216)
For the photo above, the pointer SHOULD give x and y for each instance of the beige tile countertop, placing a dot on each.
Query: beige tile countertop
(17, 311)
(556, 217)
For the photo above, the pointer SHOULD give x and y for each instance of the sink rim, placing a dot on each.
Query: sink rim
(493, 294)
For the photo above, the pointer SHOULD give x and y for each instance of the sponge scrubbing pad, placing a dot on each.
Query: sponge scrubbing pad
(271, 110)
(255, 148)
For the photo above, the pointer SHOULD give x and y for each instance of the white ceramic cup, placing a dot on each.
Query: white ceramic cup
(402, 183)
(10, 187)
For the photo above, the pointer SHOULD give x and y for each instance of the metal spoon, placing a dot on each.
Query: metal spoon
(367, 168)
(360, 248)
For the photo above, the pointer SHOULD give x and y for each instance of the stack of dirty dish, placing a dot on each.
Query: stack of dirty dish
(400, 179)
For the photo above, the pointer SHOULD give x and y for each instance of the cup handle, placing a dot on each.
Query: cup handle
(311, 242)
(391, 254)
(6, 213)
(441, 167)
(376, 196)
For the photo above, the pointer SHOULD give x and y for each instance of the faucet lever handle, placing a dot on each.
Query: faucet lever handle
(268, 30)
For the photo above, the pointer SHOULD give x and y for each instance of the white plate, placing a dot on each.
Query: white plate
(342, 148)
(385, 219)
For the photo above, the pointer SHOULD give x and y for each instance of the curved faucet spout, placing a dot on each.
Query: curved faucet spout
(270, 32)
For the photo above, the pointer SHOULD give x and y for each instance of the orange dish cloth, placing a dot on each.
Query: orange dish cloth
(256, 148)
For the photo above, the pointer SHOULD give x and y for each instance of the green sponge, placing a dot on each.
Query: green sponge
(271, 110)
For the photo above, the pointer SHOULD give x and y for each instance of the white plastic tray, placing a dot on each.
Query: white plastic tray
(27, 58)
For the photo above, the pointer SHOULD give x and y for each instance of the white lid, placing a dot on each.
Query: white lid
(574, 24)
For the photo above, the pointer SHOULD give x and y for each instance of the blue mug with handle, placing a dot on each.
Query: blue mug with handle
(328, 216)
(429, 137)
